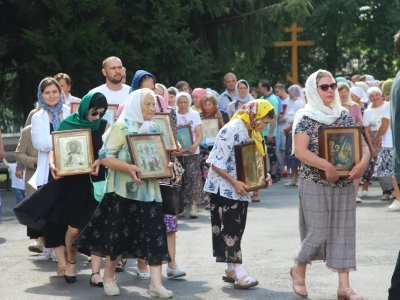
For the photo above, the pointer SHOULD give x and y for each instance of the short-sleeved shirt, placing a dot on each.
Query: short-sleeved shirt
(275, 102)
(310, 127)
(16, 183)
(121, 183)
(387, 140)
(193, 119)
(113, 97)
(373, 116)
(223, 157)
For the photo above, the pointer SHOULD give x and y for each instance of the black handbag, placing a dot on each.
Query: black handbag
(172, 199)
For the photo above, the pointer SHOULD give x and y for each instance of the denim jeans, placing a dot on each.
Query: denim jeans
(19, 195)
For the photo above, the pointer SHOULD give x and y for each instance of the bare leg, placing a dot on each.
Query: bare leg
(155, 272)
(96, 266)
(365, 185)
(60, 254)
(141, 264)
(109, 270)
(396, 190)
(171, 240)
(298, 273)
(344, 280)
(344, 290)
(356, 184)
(294, 174)
(70, 237)
(283, 160)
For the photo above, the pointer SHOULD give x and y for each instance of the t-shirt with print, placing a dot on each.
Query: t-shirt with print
(113, 97)
(275, 103)
(387, 139)
(193, 119)
(373, 116)
(310, 127)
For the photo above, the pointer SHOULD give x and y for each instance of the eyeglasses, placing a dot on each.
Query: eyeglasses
(95, 113)
(325, 87)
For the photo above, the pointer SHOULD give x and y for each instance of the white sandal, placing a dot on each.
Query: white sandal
(245, 283)
(111, 289)
(160, 292)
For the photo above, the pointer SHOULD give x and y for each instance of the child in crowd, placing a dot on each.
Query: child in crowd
(16, 183)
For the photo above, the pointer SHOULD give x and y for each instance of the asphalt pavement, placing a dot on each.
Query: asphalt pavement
(270, 243)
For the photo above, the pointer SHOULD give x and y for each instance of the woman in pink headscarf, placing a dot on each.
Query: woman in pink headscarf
(197, 96)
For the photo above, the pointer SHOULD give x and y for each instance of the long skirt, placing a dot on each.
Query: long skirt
(384, 181)
(327, 221)
(291, 160)
(192, 182)
(384, 163)
(228, 221)
(126, 227)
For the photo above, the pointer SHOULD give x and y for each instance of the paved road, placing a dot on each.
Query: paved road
(269, 245)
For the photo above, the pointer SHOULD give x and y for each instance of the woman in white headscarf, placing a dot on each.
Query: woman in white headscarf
(129, 221)
(242, 90)
(327, 207)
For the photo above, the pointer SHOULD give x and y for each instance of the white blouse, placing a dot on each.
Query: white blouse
(223, 157)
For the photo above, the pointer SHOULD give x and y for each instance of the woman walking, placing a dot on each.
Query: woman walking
(326, 205)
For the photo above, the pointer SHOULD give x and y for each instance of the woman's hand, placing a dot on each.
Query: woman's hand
(331, 173)
(95, 167)
(192, 149)
(240, 188)
(178, 152)
(358, 171)
(268, 180)
(54, 171)
(373, 152)
(378, 140)
(133, 172)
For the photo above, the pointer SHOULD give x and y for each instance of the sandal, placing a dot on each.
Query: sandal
(344, 294)
(61, 271)
(229, 276)
(245, 283)
(299, 285)
(120, 266)
(98, 284)
(255, 197)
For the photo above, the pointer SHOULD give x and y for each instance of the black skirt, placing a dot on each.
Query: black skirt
(126, 227)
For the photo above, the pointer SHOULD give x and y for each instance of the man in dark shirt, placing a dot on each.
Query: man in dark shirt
(394, 290)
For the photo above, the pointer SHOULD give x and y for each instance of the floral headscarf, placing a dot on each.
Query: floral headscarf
(252, 113)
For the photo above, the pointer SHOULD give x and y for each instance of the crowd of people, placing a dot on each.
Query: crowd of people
(128, 220)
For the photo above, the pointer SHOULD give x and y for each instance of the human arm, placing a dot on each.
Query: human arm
(5, 162)
(381, 131)
(21, 151)
(270, 136)
(118, 165)
(41, 137)
(309, 158)
(367, 131)
(199, 138)
(240, 187)
(359, 169)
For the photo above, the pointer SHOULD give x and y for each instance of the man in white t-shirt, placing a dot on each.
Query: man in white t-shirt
(114, 90)
(280, 91)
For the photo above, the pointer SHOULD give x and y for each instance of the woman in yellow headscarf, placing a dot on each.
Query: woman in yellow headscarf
(229, 198)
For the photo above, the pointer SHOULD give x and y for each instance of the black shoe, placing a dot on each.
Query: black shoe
(70, 279)
(99, 284)
(274, 178)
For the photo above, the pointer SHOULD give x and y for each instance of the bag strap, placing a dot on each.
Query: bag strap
(159, 104)
(229, 97)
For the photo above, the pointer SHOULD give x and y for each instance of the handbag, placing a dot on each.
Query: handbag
(98, 189)
(172, 199)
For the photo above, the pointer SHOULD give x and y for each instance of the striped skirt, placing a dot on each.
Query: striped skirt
(327, 221)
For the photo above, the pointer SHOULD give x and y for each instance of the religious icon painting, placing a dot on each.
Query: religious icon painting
(250, 166)
(184, 136)
(111, 113)
(341, 146)
(148, 153)
(164, 123)
(73, 152)
(74, 106)
(210, 127)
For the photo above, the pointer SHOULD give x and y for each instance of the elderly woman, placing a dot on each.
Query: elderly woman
(44, 122)
(372, 121)
(192, 190)
(129, 221)
(296, 95)
(348, 103)
(242, 90)
(327, 206)
(197, 96)
(229, 198)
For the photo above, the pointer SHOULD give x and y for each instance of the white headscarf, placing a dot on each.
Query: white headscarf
(246, 98)
(183, 94)
(374, 89)
(133, 109)
(359, 92)
(315, 108)
(362, 85)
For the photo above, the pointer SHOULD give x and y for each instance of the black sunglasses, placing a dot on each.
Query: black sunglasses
(325, 87)
(95, 113)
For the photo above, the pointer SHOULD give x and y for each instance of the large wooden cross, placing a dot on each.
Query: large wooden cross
(294, 43)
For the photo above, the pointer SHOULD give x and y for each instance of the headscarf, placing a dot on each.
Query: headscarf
(252, 113)
(213, 100)
(133, 109)
(341, 79)
(79, 119)
(315, 108)
(135, 81)
(246, 98)
(372, 83)
(199, 92)
(387, 86)
(212, 92)
(163, 99)
(348, 101)
(362, 85)
(55, 112)
(296, 91)
(369, 77)
(183, 94)
(359, 92)
(163, 103)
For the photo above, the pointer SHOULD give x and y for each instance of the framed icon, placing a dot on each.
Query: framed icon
(341, 146)
(210, 127)
(149, 154)
(73, 152)
(111, 113)
(164, 123)
(74, 106)
(185, 137)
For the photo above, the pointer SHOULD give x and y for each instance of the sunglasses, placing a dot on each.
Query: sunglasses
(325, 87)
(95, 113)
